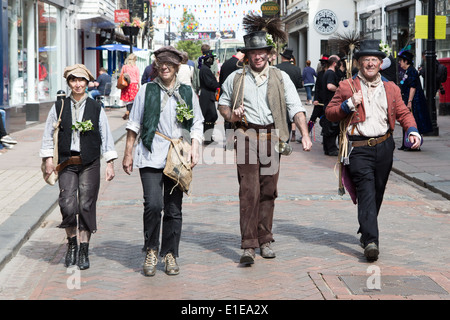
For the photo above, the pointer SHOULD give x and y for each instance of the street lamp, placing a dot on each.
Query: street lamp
(430, 67)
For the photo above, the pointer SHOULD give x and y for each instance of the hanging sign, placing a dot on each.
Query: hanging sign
(270, 8)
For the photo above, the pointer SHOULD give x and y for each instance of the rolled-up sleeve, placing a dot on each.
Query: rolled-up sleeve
(108, 148)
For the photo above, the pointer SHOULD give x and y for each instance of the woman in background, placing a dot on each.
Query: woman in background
(131, 73)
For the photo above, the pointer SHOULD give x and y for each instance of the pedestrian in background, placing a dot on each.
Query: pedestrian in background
(413, 96)
(330, 129)
(79, 152)
(308, 81)
(155, 110)
(186, 72)
(319, 94)
(101, 86)
(288, 65)
(207, 98)
(131, 72)
(6, 141)
(372, 105)
(267, 98)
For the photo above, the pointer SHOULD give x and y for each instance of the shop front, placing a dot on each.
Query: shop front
(312, 25)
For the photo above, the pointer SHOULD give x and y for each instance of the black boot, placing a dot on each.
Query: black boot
(72, 252)
(83, 259)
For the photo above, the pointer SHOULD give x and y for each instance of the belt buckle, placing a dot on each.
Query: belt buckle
(369, 142)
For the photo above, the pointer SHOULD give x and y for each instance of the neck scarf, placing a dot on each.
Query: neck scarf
(75, 113)
(76, 106)
(169, 92)
(260, 76)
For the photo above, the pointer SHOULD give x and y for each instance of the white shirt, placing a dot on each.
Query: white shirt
(256, 106)
(107, 148)
(168, 125)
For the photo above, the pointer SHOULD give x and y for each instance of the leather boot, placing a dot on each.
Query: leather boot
(72, 252)
(83, 259)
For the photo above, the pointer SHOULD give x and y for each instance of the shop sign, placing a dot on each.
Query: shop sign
(325, 21)
(270, 8)
(121, 16)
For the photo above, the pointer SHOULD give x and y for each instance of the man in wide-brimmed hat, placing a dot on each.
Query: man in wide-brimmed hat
(374, 105)
(258, 98)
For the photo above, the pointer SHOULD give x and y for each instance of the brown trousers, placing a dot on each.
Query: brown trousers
(258, 170)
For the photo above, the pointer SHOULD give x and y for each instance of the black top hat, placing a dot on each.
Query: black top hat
(406, 55)
(287, 53)
(255, 40)
(369, 48)
(325, 57)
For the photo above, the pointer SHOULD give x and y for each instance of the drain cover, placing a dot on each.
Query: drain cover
(394, 285)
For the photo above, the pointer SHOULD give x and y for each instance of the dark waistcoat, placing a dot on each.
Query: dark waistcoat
(90, 141)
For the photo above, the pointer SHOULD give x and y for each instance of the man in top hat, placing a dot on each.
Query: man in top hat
(259, 98)
(294, 72)
(291, 69)
(373, 106)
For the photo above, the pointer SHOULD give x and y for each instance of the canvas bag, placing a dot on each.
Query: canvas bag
(178, 165)
(54, 176)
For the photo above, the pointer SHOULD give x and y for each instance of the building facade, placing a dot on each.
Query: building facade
(38, 39)
(311, 24)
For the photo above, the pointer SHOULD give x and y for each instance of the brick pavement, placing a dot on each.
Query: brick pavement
(315, 232)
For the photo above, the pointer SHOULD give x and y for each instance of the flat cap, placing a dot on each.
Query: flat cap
(79, 71)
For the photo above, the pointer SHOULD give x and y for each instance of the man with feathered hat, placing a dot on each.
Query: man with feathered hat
(258, 98)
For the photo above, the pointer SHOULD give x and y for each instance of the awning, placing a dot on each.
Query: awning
(113, 47)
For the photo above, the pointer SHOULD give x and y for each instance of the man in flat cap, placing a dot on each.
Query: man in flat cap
(155, 110)
(258, 98)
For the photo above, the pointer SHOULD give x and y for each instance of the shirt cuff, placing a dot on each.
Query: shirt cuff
(110, 155)
(133, 126)
(46, 153)
(197, 137)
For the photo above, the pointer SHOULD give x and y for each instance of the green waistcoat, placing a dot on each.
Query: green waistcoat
(152, 111)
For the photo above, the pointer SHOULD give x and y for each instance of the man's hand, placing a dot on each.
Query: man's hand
(357, 98)
(415, 140)
(300, 122)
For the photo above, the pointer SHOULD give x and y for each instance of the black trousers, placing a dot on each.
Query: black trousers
(370, 168)
(159, 196)
(78, 193)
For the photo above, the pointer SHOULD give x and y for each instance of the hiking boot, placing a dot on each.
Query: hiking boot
(248, 257)
(266, 251)
(171, 268)
(150, 262)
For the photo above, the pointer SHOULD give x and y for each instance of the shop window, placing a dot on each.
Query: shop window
(17, 53)
(48, 49)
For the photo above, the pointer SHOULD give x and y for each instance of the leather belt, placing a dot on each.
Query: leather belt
(255, 133)
(371, 142)
(70, 161)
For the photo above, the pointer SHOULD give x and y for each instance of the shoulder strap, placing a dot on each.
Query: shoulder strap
(162, 135)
